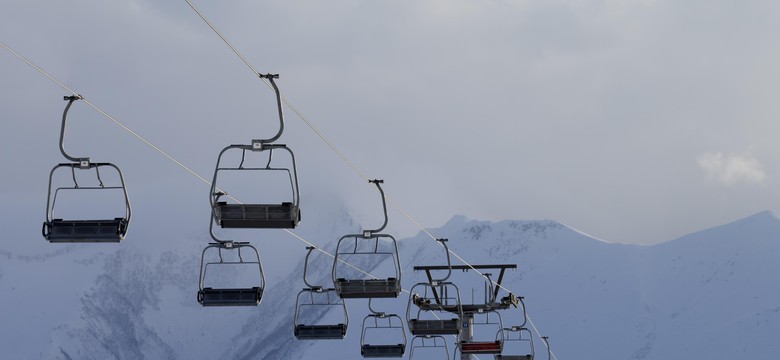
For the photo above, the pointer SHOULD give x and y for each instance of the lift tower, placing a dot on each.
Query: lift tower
(492, 304)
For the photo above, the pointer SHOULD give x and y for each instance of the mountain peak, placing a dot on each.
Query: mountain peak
(762, 216)
(456, 221)
(760, 221)
(761, 226)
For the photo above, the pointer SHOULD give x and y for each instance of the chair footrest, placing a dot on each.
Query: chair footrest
(230, 297)
(371, 288)
(434, 327)
(87, 231)
(258, 216)
(320, 332)
(382, 351)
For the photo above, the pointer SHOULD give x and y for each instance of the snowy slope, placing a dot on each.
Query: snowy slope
(136, 299)
(711, 294)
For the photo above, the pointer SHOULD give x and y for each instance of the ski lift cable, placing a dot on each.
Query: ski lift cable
(329, 143)
(36, 67)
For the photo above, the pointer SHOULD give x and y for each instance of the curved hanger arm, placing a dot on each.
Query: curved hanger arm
(219, 242)
(492, 297)
(84, 161)
(443, 243)
(270, 78)
(306, 268)
(547, 343)
(525, 314)
(374, 312)
(369, 233)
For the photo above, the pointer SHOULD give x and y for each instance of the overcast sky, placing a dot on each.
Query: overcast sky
(633, 121)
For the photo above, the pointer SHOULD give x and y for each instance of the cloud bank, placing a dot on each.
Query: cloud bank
(732, 169)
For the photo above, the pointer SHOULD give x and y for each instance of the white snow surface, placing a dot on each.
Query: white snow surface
(712, 294)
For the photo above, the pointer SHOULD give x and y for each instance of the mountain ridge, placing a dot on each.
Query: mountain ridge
(643, 301)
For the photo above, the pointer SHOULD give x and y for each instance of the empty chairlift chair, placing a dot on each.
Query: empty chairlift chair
(518, 344)
(318, 297)
(435, 296)
(234, 295)
(366, 246)
(490, 347)
(59, 230)
(388, 324)
(429, 342)
(284, 215)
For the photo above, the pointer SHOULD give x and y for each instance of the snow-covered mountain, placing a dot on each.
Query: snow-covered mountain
(711, 294)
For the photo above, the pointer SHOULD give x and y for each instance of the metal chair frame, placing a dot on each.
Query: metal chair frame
(318, 332)
(256, 215)
(484, 347)
(278, 216)
(434, 339)
(386, 350)
(368, 288)
(63, 231)
(435, 297)
(507, 335)
(208, 296)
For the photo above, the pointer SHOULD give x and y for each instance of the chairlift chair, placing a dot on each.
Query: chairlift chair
(379, 321)
(491, 347)
(436, 295)
(285, 215)
(233, 296)
(58, 230)
(311, 297)
(429, 342)
(363, 288)
(516, 334)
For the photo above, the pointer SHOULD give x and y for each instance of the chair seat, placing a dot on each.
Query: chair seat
(85, 231)
(320, 332)
(230, 297)
(434, 327)
(382, 351)
(480, 347)
(258, 216)
(371, 288)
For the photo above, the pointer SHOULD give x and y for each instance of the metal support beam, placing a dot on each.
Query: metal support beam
(498, 283)
(433, 288)
(467, 334)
